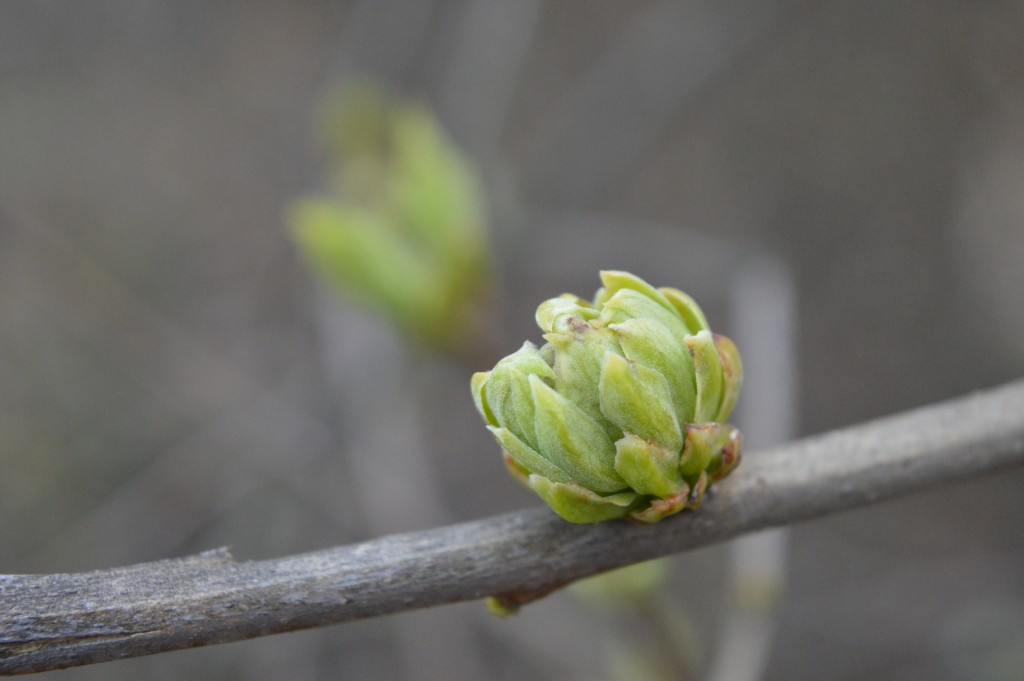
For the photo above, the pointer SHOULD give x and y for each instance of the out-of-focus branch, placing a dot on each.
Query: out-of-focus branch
(63, 620)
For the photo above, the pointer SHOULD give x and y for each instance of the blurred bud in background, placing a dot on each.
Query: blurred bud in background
(624, 588)
(653, 636)
(401, 228)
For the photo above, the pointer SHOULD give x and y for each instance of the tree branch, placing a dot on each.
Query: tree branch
(64, 620)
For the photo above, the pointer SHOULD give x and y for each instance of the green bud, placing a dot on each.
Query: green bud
(628, 304)
(650, 344)
(573, 440)
(659, 508)
(578, 357)
(687, 308)
(638, 400)
(621, 412)
(615, 281)
(508, 391)
(707, 367)
(526, 456)
(727, 458)
(732, 375)
(578, 504)
(648, 468)
(704, 441)
(556, 314)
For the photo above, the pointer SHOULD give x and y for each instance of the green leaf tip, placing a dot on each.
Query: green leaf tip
(621, 413)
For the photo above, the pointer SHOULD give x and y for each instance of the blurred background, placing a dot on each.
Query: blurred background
(839, 184)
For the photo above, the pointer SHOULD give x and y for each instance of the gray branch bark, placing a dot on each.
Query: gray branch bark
(64, 620)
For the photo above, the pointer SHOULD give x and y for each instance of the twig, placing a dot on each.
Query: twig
(56, 621)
